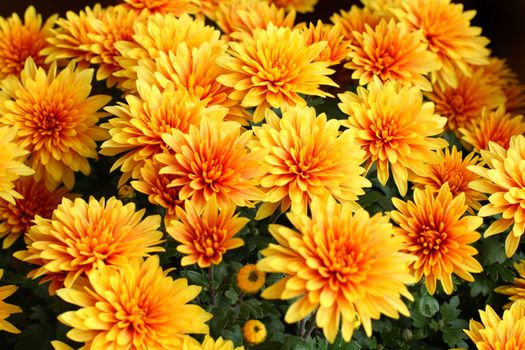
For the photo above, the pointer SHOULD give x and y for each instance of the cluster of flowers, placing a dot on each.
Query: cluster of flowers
(216, 118)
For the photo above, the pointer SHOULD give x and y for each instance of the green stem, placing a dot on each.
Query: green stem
(212, 289)
(310, 329)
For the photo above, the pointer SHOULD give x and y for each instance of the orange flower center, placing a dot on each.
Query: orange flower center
(302, 166)
(431, 240)
(457, 103)
(383, 63)
(341, 262)
(131, 314)
(456, 180)
(209, 241)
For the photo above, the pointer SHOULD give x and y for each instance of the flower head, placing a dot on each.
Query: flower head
(499, 333)
(209, 344)
(56, 120)
(205, 235)
(173, 7)
(213, 160)
(452, 169)
(16, 218)
(12, 165)
(81, 236)
(337, 46)
(435, 232)
(18, 41)
(272, 67)
(502, 179)
(355, 21)
(394, 126)
(492, 126)
(390, 52)
(250, 279)
(306, 157)
(136, 306)
(447, 30)
(349, 267)
(254, 332)
(301, 6)
(7, 309)
(516, 290)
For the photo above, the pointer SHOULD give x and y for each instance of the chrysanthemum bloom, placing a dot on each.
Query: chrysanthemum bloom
(499, 73)
(390, 52)
(137, 306)
(80, 236)
(56, 120)
(516, 290)
(162, 33)
(254, 332)
(209, 344)
(464, 103)
(272, 67)
(355, 20)
(301, 6)
(205, 235)
(492, 126)
(15, 219)
(337, 46)
(125, 192)
(173, 7)
(12, 165)
(394, 126)
(18, 41)
(348, 267)
(239, 17)
(447, 30)
(7, 309)
(437, 234)
(250, 279)
(504, 182)
(306, 157)
(195, 71)
(137, 128)
(494, 332)
(452, 169)
(213, 160)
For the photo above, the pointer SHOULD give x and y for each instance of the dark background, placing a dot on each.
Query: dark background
(503, 21)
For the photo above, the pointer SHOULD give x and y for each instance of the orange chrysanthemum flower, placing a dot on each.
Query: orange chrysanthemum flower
(272, 68)
(307, 157)
(492, 126)
(301, 6)
(7, 309)
(250, 279)
(516, 290)
(349, 267)
(435, 233)
(452, 169)
(242, 17)
(447, 30)
(504, 182)
(254, 332)
(12, 165)
(82, 235)
(464, 103)
(390, 52)
(174, 7)
(137, 306)
(19, 41)
(355, 20)
(209, 344)
(15, 219)
(137, 128)
(394, 127)
(205, 235)
(494, 332)
(337, 46)
(195, 71)
(213, 160)
(56, 119)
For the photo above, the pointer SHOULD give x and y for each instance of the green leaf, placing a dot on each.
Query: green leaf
(428, 306)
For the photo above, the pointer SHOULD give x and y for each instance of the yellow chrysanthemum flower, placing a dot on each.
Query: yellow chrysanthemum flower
(7, 309)
(174, 7)
(272, 67)
(452, 169)
(492, 126)
(136, 306)
(355, 20)
(306, 156)
(56, 120)
(337, 47)
(209, 344)
(494, 332)
(12, 165)
(301, 6)
(447, 31)
(516, 290)
(347, 267)
(504, 182)
(390, 52)
(80, 236)
(205, 235)
(435, 232)
(394, 126)
(250, 279)
(16, 218)
(254, 332)
(19, 41)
